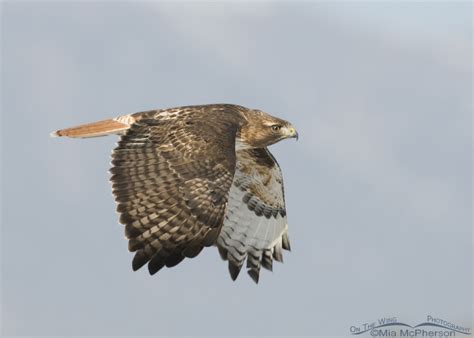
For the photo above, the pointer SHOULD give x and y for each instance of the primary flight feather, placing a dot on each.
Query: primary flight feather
(195, 176)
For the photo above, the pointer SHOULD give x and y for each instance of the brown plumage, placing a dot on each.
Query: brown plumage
(189, 177)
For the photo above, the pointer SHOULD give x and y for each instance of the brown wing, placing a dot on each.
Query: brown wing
(171, 175)
(255, 226)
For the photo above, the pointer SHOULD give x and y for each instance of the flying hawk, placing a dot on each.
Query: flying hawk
(195, 176)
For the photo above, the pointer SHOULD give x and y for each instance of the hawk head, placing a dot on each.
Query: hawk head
(262, 130)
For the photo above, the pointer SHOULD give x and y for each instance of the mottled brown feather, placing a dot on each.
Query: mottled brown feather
(171, 175)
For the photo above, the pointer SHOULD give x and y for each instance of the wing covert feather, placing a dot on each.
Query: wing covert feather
(171, 174)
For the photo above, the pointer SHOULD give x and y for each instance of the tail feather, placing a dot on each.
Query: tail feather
(101, 128)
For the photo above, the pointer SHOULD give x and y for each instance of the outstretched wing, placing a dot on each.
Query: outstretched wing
(255, 225)
(171, 174)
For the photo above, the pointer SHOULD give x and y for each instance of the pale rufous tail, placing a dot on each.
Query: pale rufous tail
(117, 125)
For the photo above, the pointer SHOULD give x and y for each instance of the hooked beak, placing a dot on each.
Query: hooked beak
(292, 133)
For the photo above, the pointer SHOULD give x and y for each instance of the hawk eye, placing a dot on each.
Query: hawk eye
(276, 127)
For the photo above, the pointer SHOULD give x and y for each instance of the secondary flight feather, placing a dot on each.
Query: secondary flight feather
(190, 177)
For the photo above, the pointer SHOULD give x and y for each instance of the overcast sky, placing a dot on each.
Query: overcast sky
(378, 187)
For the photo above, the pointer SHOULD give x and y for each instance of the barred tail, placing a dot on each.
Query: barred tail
(117, 125)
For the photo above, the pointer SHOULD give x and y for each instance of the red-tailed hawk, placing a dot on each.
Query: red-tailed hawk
(189, 177)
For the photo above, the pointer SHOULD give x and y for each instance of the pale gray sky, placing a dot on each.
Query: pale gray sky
(378, 188)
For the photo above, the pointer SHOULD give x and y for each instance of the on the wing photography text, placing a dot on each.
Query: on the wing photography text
(391, 327)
